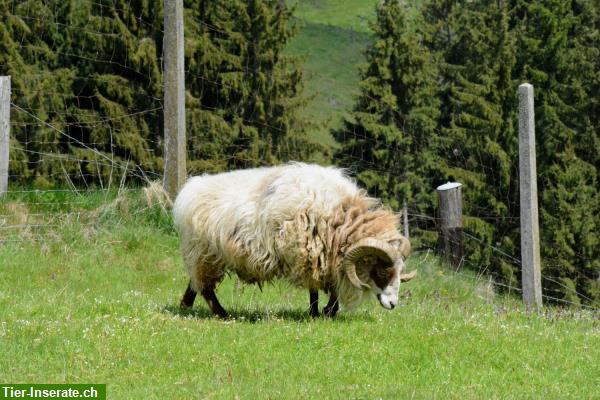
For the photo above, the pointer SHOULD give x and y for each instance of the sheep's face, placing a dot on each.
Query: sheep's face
(386, 284)
(379, 268)
(382, 278)
(387, 278)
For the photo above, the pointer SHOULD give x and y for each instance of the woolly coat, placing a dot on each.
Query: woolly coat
(292, 221)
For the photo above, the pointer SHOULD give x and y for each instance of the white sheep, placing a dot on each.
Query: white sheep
(309, 224)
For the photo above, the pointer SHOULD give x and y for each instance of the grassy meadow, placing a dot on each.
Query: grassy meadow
(94, 298)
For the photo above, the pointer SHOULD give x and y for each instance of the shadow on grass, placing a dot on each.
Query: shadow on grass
(259, 316)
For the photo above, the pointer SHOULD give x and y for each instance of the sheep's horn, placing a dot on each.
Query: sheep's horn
(353, 277)
(362, 248)
(408, 277)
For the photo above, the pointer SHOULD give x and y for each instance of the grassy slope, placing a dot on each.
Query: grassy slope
(332, 38)
(332, 56)
(347, 14)
(97, 302)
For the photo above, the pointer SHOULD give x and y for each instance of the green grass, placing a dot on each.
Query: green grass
(98, 302)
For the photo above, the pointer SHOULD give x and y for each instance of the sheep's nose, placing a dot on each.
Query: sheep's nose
(392, 305)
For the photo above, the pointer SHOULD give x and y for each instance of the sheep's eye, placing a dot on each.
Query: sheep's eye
(382, 276)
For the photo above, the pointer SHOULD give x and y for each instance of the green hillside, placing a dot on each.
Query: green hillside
(332, 38)
(348, 14)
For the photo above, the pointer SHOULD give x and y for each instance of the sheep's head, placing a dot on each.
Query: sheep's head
(376, 265)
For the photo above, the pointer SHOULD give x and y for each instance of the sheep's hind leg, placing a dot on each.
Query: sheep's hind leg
(212, 301)
(332, 306)
(313, 310)
(188, 297)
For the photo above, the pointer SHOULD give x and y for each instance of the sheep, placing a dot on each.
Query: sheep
(306, 223)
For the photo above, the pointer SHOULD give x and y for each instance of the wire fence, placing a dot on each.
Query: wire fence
(75, 138)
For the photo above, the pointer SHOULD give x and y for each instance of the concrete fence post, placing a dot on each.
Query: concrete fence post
(450, 241)
(530, 233)
(4, 132)
(174, 98)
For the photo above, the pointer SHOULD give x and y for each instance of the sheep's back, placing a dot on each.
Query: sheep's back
(212, 205)
(239, 216)
(304, 188)
(267, 194)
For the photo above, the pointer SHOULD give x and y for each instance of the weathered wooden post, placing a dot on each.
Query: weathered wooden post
(4, 132)
(530, 233)
(450, 241)
(174, 101)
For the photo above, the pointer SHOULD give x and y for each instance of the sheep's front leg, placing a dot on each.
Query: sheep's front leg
(332, 305)
(212, 301)
(188, 297)
(313, 309)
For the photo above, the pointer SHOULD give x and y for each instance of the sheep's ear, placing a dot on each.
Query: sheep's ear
(408, 277)
(404, 246)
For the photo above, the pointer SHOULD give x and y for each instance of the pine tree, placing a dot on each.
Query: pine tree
(96, 70)
(390, 139)
(113, 45)
(440, 34)
(38, 83)
(586, 36)
(559, 65)
(440, 26)
(87, 76)
(481, 138)
(246, 93)
(556, 51)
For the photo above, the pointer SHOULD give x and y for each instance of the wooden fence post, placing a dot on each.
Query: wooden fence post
(4, 132)
(530, 234)
(450, 241)
(174, 102)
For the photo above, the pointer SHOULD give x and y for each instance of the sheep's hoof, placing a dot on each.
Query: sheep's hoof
(187, 301)
(313, 308)
(330, 312)
(213, 303)
(219, 312)
(313, 313)
(184, 306)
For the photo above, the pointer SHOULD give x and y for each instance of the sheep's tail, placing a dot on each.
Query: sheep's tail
(184, 205)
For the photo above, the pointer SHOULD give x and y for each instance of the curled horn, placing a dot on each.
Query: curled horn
(362, 248)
